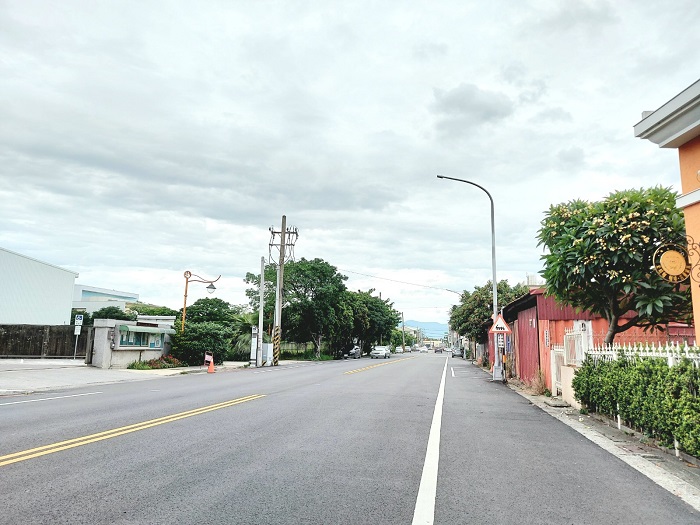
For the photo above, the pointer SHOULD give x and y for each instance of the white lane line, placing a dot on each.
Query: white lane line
(48, 398)
(453, 371)
(424, 513)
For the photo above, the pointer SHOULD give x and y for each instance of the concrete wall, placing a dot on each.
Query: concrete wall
(567, 391)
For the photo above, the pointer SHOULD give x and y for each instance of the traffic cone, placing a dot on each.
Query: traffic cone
(211, 370)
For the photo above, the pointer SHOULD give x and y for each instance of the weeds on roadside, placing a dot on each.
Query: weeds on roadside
(537, 386)
(166, 361)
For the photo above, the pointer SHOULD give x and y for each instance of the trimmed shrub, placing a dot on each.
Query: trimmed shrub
(661, 401)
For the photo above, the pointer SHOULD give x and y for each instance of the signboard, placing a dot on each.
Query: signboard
(77, 330)
(671, 263)
(78, 320)
(500, 340)
(500, 326)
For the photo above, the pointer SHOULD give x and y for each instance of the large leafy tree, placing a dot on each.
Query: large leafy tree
(476, 308)
(381, 317)
(600, 257)
(318, 307)
(313, 293)
(211, 309)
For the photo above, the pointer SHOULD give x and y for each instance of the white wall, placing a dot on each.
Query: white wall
(34, 292)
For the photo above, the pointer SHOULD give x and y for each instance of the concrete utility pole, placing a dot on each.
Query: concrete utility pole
(258, 351)
(288, 237)
(277, 334)
(403, 333)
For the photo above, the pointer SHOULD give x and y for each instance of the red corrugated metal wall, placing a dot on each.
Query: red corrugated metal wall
(526, 345)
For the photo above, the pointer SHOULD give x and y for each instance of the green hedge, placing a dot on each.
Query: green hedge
(659, 400)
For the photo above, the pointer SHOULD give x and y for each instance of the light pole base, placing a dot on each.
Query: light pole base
(497, 373)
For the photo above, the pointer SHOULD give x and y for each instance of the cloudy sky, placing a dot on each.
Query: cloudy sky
(142, 139)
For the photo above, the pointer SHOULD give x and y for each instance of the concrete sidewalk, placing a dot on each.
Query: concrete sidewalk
(678, 475)
(24, 376)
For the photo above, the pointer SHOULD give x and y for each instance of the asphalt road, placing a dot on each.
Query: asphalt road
(398, 441)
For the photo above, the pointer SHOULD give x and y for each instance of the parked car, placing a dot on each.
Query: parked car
(456, 352)
(354, 353)
(398, 350)
(380, 352)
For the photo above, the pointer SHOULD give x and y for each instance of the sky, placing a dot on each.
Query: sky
(140, 140)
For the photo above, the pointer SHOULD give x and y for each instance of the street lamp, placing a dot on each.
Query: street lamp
(497, 368)
(188, 279)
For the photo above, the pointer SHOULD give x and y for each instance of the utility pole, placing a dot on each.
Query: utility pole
(403, 333)
(258, 351)
(288, 237)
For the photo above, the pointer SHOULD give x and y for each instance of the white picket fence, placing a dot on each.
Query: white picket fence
(672, 352)
(573, 352)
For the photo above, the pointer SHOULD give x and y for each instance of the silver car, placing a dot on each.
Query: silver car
(379, 352)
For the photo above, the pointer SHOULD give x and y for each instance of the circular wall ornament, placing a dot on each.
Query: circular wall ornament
(671, 263)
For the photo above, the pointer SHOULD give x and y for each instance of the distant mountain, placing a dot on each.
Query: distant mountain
(430, 330)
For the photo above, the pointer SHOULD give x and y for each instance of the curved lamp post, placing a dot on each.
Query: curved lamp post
(188, 279)
(497, 368)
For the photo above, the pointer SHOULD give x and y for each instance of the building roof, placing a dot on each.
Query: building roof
(40, 262)
(675, 123)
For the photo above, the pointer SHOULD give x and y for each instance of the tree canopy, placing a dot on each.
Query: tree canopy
(113, 312)
(211, 309)
(476, 308)
(600, 257)
(318, 308)
(150, 309)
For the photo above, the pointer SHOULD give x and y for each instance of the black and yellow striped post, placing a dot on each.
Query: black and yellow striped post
(276, 343)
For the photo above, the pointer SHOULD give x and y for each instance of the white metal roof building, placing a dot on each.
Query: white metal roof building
(34, 292)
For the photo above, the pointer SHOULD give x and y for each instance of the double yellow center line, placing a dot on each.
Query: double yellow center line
(375, 366)
(108, 434)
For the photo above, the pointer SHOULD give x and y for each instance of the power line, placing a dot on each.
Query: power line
(401, 282)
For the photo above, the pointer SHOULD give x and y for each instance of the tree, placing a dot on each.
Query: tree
(150, 309)
(242, 335)
(398, 337)
(113, 312)
(381, 320)
(476, 308)
(253, 294)
(211, 310)
(313, 291)
(600, 257)
(190, 345)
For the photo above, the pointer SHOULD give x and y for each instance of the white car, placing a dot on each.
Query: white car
(379, 352)
(398, 350)
(423, 350)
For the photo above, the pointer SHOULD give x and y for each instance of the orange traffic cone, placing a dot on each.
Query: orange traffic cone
(211, 370)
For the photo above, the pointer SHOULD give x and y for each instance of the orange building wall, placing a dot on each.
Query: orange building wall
(689, 159)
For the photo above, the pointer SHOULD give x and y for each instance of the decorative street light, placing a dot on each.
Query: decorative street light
(188, 279)
(498, 374)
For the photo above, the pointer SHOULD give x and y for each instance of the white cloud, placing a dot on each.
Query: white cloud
(155, 138)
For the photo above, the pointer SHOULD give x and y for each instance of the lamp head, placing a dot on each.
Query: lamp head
(211, 288)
